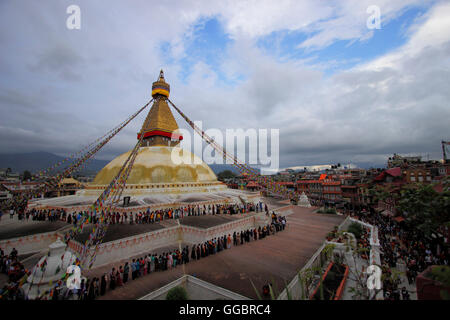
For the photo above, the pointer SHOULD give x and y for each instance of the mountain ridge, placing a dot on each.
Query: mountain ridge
(40, 160)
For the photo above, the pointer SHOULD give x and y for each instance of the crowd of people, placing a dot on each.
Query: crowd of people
(11, 266)
(15, 205)
(402, 245)
(90, 289)
(150, 263)
(143, 217)
(363, 243)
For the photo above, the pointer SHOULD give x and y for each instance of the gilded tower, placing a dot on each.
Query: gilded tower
(159, 127)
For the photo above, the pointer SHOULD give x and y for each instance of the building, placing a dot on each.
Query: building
(399, 161)
(414, 174)
(391, 180)
(332, 193)
(5, 194)
(68, 186)
(17, 187)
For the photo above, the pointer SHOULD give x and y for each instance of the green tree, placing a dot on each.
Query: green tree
(356, 229)
(442, 274)
(26, 175)
(177, 293)
(425, 209)
(227, 174)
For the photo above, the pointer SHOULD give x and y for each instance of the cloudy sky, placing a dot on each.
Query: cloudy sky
(337, 90)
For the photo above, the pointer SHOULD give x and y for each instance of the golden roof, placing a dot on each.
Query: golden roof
(69, 181)
(160, 118)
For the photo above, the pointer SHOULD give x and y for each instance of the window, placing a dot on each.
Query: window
(413, 178)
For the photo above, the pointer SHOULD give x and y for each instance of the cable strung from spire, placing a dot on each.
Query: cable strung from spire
(242, 167)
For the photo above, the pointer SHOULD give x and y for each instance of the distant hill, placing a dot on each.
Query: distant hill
(36, 161)
(218, 168)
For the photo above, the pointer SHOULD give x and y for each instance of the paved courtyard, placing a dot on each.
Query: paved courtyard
(13, 228)
(208, 221)
(276, 259)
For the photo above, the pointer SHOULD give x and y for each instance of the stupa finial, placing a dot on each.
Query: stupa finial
(160, 87)
(161, 76)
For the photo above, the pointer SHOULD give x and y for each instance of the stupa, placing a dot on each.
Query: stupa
(157, 176)
(49, 270)
(303, 201)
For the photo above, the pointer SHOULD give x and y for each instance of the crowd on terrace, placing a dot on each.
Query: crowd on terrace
(143, 216)
(152, 262)
(92, 288)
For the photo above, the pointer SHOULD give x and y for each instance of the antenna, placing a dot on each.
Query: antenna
(444, 155)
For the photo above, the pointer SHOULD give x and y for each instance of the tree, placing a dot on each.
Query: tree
(227, 174)
(177, 293)
(26, 175)
(442, 274)
(425, 209)
(356, 229)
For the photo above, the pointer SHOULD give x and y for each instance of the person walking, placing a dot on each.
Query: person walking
(119, 282)
(112, 279)
(91, 290)
(126, 270)
(103, 284)
(169, 260)
(133, 269)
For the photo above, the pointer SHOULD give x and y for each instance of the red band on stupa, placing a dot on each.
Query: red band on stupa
(170, 135)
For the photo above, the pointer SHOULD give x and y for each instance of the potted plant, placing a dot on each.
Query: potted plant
(177, 293)
(434, 283)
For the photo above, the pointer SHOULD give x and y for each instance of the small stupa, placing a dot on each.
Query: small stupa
(49, 270)
(303, 201)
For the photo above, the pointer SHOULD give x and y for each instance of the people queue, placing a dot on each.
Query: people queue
(152, 262)
(144, 217)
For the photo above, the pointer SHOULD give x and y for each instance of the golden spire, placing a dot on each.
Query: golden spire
(160, 123)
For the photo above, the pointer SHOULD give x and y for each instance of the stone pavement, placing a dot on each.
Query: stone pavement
(120, 231)
(208, 221)
(14, 228)
(274, 259)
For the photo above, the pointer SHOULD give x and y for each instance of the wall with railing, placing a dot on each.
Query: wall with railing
(147, 242)
(318, 258)
(29, 244)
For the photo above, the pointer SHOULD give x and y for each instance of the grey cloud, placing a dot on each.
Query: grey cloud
(60, 60)
(81, 86)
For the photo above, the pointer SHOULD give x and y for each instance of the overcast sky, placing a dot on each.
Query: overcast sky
(338, 91)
